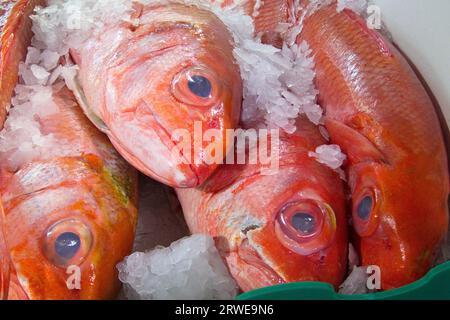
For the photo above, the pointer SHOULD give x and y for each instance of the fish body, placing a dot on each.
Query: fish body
(380, 114)
(70, 215)
(259, 221)
(15, 33)
(172, 71)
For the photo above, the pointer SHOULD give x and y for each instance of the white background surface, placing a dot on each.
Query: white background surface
(421, 28)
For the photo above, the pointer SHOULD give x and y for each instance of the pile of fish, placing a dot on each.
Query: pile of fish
(93, 91)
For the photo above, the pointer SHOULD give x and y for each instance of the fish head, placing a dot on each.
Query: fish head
(398, 218)
(175, 84)
(66, 238)
(288, 226)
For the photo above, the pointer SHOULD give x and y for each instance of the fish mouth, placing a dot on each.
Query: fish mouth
(184, 175)
(190, 177)
(249, 254)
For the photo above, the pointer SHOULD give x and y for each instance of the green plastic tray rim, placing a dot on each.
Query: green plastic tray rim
(433, 286)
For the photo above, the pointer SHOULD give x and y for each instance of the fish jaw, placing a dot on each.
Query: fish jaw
(249, 270)
(155, 155)
(138, 87)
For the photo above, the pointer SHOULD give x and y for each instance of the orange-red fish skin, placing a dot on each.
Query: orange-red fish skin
(15, 26)
(238, 206)
(4, 258)
(373, 100)
(15, 34)
(134, 80)
(85, 186)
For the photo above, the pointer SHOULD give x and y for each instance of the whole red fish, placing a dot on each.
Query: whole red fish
(271, 229)
(174, 70)
(70, 211)
(380, 114)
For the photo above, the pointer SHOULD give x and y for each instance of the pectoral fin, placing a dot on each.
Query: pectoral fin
(357, 147)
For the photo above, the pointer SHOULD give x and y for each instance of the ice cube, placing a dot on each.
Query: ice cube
(356, 282)
(191, 268)
(329, 155)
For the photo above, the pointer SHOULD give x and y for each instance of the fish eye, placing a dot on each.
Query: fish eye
(67, 245)
(197, 86)
(306, 226)
(200, 86)
(67, 242)
(364, 208)
(365, 211)
(304, 223)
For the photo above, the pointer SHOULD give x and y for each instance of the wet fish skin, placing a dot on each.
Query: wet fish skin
(15, 33)
(134, 80)
(379, 113)
(87, 190)
(240, 208)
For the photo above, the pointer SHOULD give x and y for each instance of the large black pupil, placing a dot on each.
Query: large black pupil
(200, 86)
(304, 222)
(67, 245)
(365, 208)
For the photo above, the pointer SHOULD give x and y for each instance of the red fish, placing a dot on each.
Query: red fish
(272, 229)
(68, 213)
(15, 31)
(380, 114)
(143, 83)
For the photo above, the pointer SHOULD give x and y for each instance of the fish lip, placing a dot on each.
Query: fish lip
(249, 254)
(191, 178)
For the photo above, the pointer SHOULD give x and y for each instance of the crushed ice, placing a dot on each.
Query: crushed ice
(329, 155)
(190, 268)
(356, 282)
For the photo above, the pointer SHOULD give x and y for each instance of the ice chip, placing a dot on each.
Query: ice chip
(356, 282)
(40, 73)
(49, 59)
(329, 155)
